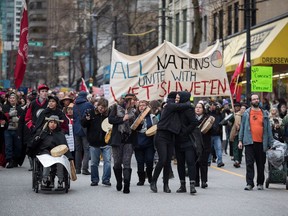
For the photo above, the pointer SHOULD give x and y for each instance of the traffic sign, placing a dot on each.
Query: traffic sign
(35, 43)
(57, 54)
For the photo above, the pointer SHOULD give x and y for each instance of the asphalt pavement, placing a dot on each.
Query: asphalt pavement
(225, 195)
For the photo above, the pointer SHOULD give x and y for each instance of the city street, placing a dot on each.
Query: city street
(224, 196)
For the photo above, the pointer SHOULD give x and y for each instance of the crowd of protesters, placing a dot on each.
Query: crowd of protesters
(80, 116)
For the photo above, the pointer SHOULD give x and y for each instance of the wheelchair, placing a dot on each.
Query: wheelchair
(37, 178)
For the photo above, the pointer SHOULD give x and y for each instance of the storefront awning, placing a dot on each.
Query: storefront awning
(268, 46)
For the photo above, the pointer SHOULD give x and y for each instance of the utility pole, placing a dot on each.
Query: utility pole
(247, 12)
(163, 19)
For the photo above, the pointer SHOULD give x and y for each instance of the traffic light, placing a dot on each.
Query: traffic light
(90, 82)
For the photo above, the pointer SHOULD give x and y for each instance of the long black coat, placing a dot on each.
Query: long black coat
(207, 136)
(95, 134)
(116, 137)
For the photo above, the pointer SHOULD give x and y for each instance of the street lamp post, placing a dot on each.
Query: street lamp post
(248, 50)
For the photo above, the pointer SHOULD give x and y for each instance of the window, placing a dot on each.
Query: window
(215, 26)
(221, 24)
(38, 5)
(236, 17)
(184, 39)
(177, 42)
(205, 28)
(229, 19)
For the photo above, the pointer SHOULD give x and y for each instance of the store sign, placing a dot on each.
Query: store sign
(275, 60)
(262, 79)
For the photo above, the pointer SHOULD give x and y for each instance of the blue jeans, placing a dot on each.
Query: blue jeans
(81, 148)
(95, 159)
(12, 145)
(216, 142)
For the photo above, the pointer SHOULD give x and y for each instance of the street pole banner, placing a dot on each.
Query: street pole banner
(166, 68)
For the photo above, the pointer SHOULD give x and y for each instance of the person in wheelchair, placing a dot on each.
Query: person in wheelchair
(45, 140)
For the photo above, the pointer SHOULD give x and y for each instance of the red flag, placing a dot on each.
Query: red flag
(22, 56)
(236, 80)
(83, 86)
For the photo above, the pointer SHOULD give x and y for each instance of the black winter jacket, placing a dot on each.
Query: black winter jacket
(95, 134)
(48, 140)
(170, 120)
(47, 113)
(216, 129)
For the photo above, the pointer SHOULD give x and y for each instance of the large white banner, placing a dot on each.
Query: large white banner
(166, 68)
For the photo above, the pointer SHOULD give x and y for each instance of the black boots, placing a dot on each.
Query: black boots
(118, 176)
(141, 176)
(204, 185)
(166, 188)
(182, 188)
(127, 177)
(192, 187)
(153, 186)
(149, 174)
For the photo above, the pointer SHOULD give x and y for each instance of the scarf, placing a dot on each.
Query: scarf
(124, 128)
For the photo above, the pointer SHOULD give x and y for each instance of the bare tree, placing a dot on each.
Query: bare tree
(198, 28)
(135, 18)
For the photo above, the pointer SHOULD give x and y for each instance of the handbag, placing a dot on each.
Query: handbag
(108, 136)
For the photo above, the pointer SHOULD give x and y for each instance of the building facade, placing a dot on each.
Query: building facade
(227, 21)
(10, 12)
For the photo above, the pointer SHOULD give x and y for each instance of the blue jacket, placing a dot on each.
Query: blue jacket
(81, 105)
(245, 130)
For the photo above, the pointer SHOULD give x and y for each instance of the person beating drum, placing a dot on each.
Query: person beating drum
(202, 163)
(144, 145)
(43, 142)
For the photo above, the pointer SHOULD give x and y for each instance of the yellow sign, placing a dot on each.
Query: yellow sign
(262, 79)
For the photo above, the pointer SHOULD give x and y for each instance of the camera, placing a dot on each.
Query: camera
(87, 112)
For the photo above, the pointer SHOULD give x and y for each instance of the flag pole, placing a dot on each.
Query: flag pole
(231, 96)
(24, 4)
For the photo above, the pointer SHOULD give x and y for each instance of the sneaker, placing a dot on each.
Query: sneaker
(107, 183)
(248, 188)
(260, 187)
(78, 171)
(86, 172)
(94, 184)
(220, 164)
